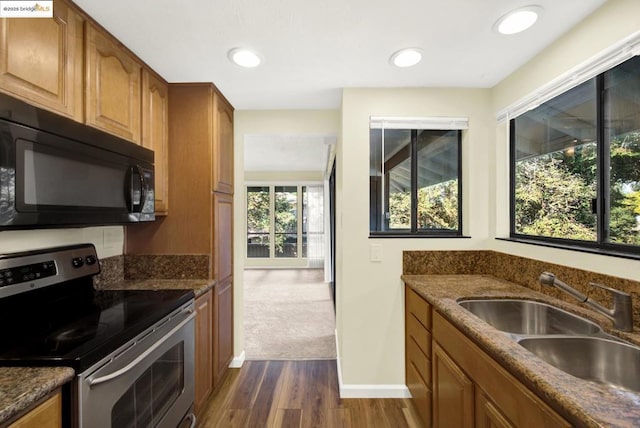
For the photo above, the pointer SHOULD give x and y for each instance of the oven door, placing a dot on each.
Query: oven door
(148, 382)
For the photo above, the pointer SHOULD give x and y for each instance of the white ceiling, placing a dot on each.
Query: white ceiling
(312, 49)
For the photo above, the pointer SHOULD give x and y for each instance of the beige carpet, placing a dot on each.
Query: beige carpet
(288, 315)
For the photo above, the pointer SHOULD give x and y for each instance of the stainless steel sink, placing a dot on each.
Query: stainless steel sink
(527, 317)
(595, 359)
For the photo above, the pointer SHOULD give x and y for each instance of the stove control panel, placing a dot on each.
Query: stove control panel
(27, 273)
(30, 270)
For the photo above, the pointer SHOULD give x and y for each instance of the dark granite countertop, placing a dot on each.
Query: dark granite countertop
(199, 286)
(22, 387)
(583, 403)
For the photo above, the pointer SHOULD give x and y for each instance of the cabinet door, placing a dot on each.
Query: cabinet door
(46, 415)
(488, 415)
(452, 393)
(204, 349)
(112, 87)
(223, 329)
(41, 60)
(223, 146)
(222, 239)
(155, 133)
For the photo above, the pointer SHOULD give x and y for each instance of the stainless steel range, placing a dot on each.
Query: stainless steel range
(133, 351)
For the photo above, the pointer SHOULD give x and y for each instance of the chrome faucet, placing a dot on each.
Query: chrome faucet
(621, 314)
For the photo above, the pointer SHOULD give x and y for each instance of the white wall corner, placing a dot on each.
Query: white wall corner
(367, 391)
(238, 361)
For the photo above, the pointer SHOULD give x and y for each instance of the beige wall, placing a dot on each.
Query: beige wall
(264, 122)
(614, 21)
(369, 306)
(369, 294)
(108, 240)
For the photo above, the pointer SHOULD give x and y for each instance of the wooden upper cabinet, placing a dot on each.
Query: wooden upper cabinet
(155, 133)
(112, 87)
(222, 146)
(41, 60)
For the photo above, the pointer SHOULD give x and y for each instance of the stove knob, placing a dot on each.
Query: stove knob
(77, 262)
(90, 260)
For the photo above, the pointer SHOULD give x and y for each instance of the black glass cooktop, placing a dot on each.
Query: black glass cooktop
(71, 324)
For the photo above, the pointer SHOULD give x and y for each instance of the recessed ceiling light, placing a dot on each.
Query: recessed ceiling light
(406, 57)
(244, 57)
(517, 20)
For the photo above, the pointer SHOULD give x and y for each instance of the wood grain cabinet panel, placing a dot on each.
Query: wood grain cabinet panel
(508, 401)
(223, 330)
(112, 86)
(223, 147)
(41, 60)
(155, 133)
(204, 349)
(418, 366)
(222, 238)
(452, 393)
(47, 414)
(488, 415)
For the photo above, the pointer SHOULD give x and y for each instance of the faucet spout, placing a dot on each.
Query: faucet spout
(549, 279)
(622, 312)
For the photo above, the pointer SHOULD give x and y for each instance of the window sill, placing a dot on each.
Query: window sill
(568, 247)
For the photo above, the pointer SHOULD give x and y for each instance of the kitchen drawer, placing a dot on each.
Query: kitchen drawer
(421, 361)
(420, 394)
(420, 334)
(419, 307)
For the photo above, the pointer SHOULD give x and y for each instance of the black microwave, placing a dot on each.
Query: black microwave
(55, 172)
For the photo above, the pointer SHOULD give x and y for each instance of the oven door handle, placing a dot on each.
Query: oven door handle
(145, 354)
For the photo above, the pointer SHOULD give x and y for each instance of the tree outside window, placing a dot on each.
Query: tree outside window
(576, 168)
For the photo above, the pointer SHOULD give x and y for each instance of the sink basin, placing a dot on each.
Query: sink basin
(526, 317)
(590, 358)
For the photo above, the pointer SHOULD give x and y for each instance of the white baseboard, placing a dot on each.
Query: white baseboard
(238, 361)
(367, 391)
(374, 391)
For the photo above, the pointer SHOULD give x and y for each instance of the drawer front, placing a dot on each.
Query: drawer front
(419, 307)
(420, 394)
(419, 334)
(421, 362)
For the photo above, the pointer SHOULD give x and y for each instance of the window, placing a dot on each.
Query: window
(286, 221)
(575, 165)
(258, 222)
(415, 180)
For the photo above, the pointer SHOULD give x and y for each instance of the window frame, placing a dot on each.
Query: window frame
(414, 232)
(603, 189)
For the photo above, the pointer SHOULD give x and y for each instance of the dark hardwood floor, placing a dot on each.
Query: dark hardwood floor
(297, 394)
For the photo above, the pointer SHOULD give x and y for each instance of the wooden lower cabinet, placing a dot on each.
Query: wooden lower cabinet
(452, 393)
(488, 415)
(454, 383)
(418, 353)
(223, 329)
(464, 377)
(204, 349)
(47, 414)
(214, 340)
